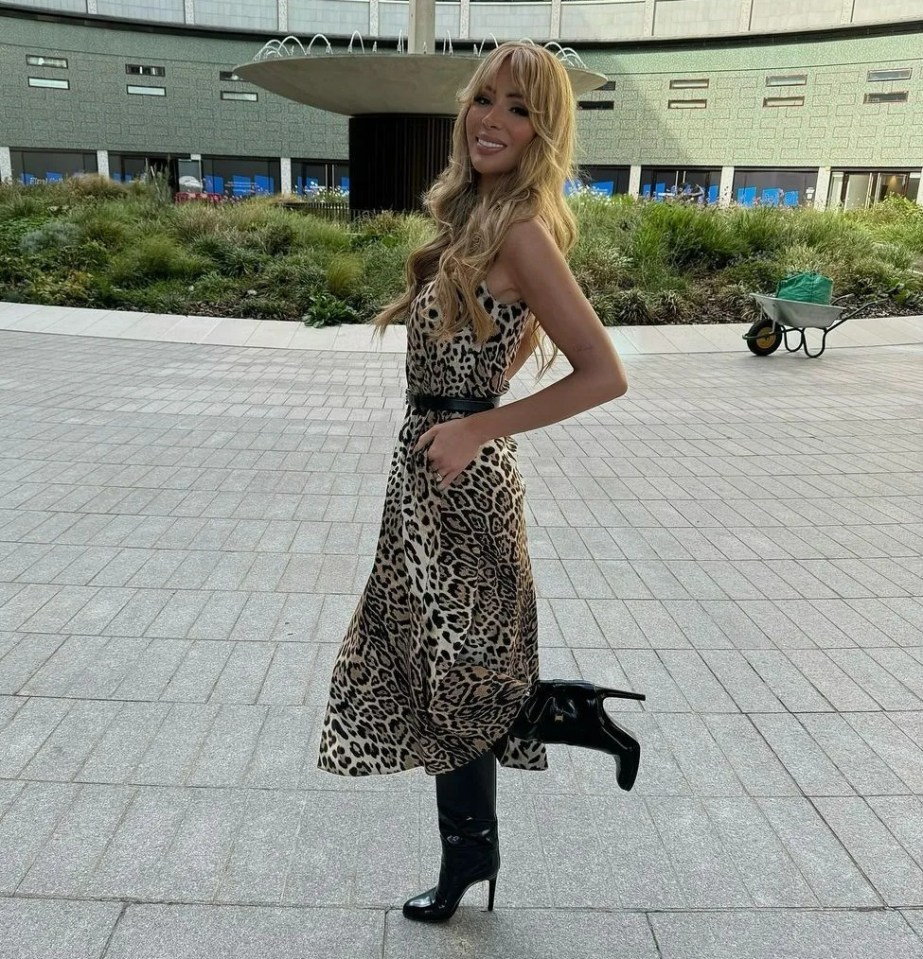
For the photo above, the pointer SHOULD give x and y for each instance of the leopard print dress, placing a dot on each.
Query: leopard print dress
(443, 647)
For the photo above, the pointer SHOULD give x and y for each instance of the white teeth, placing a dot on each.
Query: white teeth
(487, 143)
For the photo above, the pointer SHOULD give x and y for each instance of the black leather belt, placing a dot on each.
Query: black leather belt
(454, 404)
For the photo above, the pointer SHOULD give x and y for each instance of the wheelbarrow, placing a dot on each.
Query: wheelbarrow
(783, 317)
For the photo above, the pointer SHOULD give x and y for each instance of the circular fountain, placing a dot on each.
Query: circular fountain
(401, 104)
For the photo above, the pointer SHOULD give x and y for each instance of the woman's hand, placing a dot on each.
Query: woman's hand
(453, 445)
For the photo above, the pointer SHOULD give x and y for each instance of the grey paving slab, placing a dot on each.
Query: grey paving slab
(706, 872)
(829, 869)
(785, 935)
(68, 857)
(889, 867)
(199, 932)
(39, 928)
(180, 559)
(577, 934)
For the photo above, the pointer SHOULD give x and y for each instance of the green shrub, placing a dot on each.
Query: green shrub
(344, 271)
(155, 257)
(226, 252)
(325, 309)
(52, 235)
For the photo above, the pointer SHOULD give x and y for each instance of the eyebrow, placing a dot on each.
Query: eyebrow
(490, 89)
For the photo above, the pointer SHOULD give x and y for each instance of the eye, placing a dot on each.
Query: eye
(481, 98)
(521, 111)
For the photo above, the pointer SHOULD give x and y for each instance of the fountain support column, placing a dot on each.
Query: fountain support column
(394, 158)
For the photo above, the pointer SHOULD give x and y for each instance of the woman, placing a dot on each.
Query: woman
(439, 667)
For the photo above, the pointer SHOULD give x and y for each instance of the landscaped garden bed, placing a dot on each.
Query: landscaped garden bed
(91, 242)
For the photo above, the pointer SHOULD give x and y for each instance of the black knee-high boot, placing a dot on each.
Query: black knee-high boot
(572, 713)
(466, 800)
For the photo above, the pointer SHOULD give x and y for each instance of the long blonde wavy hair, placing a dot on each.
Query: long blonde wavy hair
(471, 228)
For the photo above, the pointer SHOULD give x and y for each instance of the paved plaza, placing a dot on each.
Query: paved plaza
(185, 529)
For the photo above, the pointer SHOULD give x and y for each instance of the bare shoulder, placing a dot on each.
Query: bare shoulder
(528, 237)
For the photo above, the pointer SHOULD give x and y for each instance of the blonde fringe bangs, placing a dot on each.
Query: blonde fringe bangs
(470, 228)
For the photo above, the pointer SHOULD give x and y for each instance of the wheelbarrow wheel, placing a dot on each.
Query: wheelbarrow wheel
(764, 337)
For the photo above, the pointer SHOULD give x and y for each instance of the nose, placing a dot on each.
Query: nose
(489, 118)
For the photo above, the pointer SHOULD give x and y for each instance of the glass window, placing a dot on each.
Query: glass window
(783, 101)
(761, 187)
(687, 104)
(59, 63)
(686, 185)
(855, 189)
(608, 180)
(141, 70)
(31, 165)
(147, 91)
(310, 175)
(608, 85)
(897, 96)
(694, 83)
(787, 80)
(902, 74)
(51, 84)
(241, 176)
(126, 167)
(228, 75)
(595, 104)
(236, 95)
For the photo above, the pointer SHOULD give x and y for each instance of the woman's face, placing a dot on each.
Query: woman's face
(498, 127)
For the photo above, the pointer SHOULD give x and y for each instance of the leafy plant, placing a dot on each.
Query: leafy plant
(324, 309)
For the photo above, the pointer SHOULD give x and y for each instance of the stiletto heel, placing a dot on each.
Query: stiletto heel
(491, 888)
(620, 694)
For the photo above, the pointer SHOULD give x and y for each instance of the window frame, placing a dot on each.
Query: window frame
(786, 80)
(694, 104)
(137, 90)
(777, 103)
(690, 83)
(38, 60)
(49, 83)
(141, 70)
(895, 73)
(886, 96)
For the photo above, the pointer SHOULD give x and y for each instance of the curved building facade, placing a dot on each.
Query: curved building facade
(772, 101)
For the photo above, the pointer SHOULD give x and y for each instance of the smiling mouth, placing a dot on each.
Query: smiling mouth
(489, 144)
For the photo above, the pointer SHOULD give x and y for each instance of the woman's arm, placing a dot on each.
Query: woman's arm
(547, 285)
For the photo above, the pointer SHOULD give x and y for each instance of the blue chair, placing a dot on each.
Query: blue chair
(746, 195)
(771, 196)
(54, 177)
(263, 184)
(646, 191)
(116, 176)
(28, 179)
(344, 183)
(571, 186)
(241, 185)
(603, 187)
(791, 198)
(660, 191)
(713, 193)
